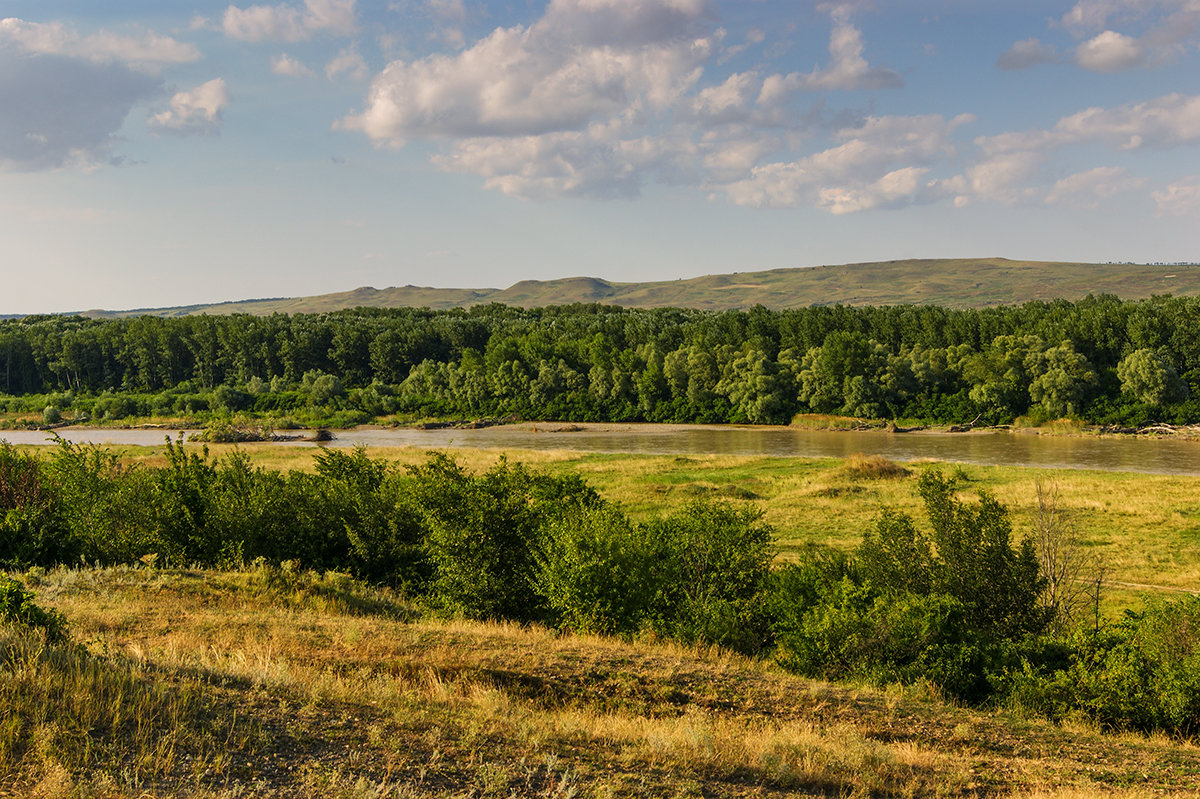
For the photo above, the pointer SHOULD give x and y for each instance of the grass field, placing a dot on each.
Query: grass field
(1143, 529)
(228, 684)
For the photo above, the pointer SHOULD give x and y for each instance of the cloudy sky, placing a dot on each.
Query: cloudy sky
(160, 153)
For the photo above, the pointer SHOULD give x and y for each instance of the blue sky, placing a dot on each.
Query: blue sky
(167, 153)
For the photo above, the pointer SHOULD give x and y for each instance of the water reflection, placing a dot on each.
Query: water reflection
(1000, 448)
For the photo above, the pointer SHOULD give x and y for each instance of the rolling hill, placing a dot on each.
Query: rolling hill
(957, 283)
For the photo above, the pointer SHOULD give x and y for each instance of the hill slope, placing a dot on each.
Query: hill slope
(957, 283)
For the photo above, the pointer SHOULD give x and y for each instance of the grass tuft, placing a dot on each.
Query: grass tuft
(873, 467)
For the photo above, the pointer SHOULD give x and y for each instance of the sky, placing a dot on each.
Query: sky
(165, 153)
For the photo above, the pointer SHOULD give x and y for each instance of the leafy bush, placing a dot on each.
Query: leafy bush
(484, 531)
(599, 572)
(31, 524)
(17, 607)
(1143, 673)
(967, 554)
(953, 604)
(384, 528)
(714, 561)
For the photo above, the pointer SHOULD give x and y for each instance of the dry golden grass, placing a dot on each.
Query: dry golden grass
(322, 687)
(873, 467)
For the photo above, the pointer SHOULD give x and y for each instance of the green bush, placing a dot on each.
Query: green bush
(17, 607)
(484, 531)
(955, 603)
(382, 525)
(967, 553)
(1143, 673)
(714, 561)
(32, 528)
(599, 572)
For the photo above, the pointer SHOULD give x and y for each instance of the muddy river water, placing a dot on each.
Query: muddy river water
(1127, 454)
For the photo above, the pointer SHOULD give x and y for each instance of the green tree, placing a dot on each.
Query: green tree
(1148, 377)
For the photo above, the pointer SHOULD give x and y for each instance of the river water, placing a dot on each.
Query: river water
(1125, 454)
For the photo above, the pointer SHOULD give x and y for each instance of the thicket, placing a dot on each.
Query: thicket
(952, 599)
(1100, 359)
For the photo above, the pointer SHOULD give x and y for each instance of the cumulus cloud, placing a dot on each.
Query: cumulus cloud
(1167, 121)
(848, 70)
(195, 111)
(873, 165)
(287, 66)
(584, 60)
(1181, 198)
(61, 111)
(1110, 52)
(290, 23)
(1027, 53)
(895, 189)
(349, 63)
(1086, 189)
(1154, 31)
(146, 51)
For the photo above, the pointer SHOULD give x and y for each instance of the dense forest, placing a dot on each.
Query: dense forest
(1101, 359)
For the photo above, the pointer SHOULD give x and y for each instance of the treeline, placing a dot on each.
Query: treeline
(951, 599)
(1101, 359)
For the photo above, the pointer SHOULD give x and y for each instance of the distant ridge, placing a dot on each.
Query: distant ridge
(952, 282)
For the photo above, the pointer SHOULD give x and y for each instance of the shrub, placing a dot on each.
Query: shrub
(599, 572)
(484, 531)
(1143, 673)
(32, 528)
(383, 527)
(967, 554)
(714, 561)
(51, 415)
(17, 607)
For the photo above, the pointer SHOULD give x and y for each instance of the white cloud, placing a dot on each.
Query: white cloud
(565, 71)
(1086, 189)
(195, 111)
(1009, 162)
(1109, 52)
(1027, 53)
(1168, 121)
(894, 189)
(290, 23)
(1129, 33)
(284, 64)
(848, 70)
(872, 166)
(729, 100)
(1181, 198)
(148, 50)
(349, 63)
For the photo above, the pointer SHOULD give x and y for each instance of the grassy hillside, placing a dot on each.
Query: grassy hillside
(958, 283)
(268, 683)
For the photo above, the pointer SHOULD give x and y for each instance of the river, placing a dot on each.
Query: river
(1123, 454)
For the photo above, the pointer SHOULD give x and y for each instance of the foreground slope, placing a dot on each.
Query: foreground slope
(956, 283)
(276, 683)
